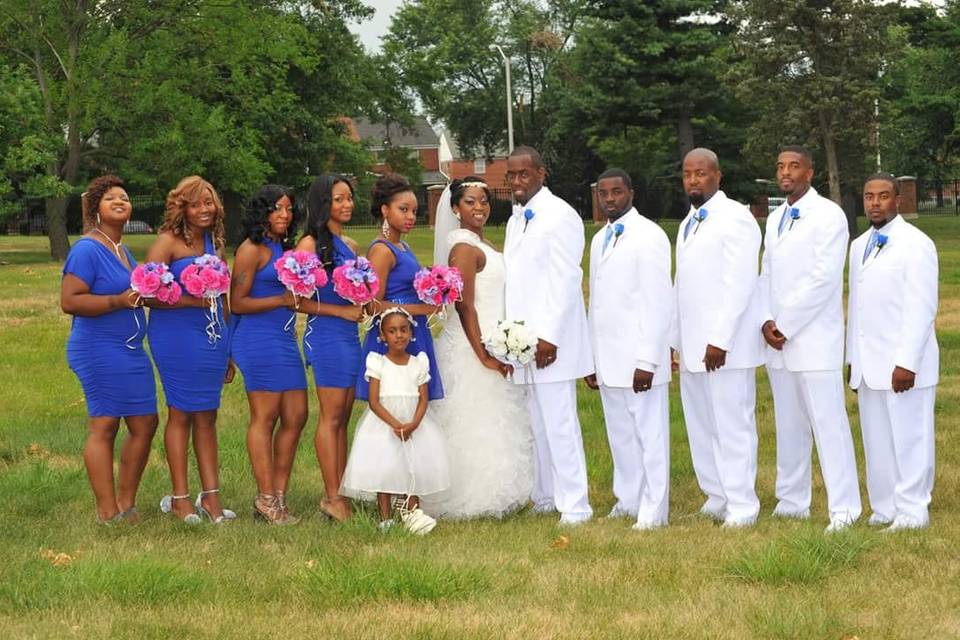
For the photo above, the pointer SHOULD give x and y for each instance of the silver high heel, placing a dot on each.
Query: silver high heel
(227, 513)
(166, 506)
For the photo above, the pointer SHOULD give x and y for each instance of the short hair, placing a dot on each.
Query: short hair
(90, 200)
(386, 187)
(613, 172)
(532, 153)
(704, 153)
(799, 149)
(189, 191)
(888, 177)
(257, 214)
(458, 187)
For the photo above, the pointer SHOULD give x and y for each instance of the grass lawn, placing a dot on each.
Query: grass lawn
(62, 576)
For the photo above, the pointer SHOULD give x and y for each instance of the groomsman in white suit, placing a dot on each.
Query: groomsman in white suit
(893, 356)
(544, 288)
(631, 309)
(718, 337)
(801, 287)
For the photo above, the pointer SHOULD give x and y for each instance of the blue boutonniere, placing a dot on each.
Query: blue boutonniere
(527, 217)
(881, 243)
(794, 215)
(617, 232)
(699, 216)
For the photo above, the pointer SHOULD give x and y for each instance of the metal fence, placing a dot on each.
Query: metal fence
(938, 197)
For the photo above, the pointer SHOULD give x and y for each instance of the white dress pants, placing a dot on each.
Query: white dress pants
(898, 446)
(559, 464)
(810, 407)
(638, 430)
(718, 408)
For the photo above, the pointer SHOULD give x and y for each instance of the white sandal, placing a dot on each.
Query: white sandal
(225, 517)
(166, 506)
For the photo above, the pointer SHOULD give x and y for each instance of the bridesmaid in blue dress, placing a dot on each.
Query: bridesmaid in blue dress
(331, 343)
(394, 206)
(266, 351)
(105, 349)
(193, 366)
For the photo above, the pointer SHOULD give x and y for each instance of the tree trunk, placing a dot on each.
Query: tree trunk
(233, 216)
(685, 141)
(56, 212)
(833, 168)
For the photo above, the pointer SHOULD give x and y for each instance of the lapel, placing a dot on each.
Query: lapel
(538, 205)
(713, 206)
(627, 220)
(804, 213)
(888, 230)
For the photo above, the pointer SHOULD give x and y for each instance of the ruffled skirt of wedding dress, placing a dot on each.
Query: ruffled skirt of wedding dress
(489, 442)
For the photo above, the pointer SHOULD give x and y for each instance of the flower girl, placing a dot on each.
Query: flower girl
(398, 451)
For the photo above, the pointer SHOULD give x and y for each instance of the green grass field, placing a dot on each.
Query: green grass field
(62, 576)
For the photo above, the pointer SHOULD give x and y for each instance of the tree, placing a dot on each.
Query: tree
(811, 68)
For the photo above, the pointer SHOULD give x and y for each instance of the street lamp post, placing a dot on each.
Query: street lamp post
(506, 66)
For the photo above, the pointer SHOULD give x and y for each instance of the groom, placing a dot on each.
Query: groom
(543, 251)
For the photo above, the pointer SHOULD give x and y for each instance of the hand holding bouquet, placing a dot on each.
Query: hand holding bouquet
(155, 280)
(511, 341)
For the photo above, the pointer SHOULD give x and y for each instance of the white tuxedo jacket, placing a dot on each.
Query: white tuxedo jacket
(631, 302)
(716, 286)
(801, 283)
(544, 283)
(892, 308)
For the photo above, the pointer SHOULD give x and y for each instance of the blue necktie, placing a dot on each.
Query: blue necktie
(783, 219)
(606, 238)
(697, 217)
(871, 243)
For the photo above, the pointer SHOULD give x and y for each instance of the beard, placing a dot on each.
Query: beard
(697, 200)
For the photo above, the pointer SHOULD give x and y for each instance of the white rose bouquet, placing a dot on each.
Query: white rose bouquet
(512, 342)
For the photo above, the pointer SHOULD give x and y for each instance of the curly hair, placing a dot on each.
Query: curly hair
(458, 187)
(189, 191)
(386, 187)
(90, 200)
(319, 199)
(257, 212)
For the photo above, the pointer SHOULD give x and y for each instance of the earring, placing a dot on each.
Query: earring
(98, 218)
(385, 228)
(457, 216)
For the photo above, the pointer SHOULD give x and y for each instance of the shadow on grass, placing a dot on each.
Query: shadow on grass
(336, 581)
(805, 558)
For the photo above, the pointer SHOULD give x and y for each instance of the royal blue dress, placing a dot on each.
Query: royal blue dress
(400, 291)
(332, 345)
(192, 362)
(106, 351)
(264, 345)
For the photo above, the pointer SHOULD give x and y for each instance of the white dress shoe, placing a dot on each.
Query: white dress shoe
(417, 522)
(838, 524)
(877, 520)
(716, 514)
(803, 514)
(903, 523)
(738, 523)
(543, 507)
(567, 520)
(648, 525)
(619, 511)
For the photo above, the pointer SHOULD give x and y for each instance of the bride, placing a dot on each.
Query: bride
(489, 443)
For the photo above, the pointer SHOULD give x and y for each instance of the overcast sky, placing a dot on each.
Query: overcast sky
(371, 30)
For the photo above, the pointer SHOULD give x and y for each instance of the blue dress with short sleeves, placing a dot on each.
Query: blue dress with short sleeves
(192, 362)
(400, 291)
(106, 351)
(264, 345)
(332, 345)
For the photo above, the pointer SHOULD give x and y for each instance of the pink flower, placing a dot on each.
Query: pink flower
(301, 272)
(438, 285)
(154, 280)
(207, 277)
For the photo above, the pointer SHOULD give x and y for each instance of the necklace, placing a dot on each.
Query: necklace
(116, 245)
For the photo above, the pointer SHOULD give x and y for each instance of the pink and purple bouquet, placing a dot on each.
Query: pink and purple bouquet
(155, 280)
(356, 281)
(301, 272)
(438, 285)
(207, 277)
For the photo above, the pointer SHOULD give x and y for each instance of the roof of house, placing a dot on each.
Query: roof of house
(420, 135)
(454, 148)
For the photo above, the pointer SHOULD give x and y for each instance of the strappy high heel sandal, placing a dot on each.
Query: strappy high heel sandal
(166, 506)
(226, 516)
(268, 508)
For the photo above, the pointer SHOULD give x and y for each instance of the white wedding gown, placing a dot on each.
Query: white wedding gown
(484, 416)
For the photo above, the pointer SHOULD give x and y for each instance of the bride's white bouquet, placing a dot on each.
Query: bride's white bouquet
(511, 342)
